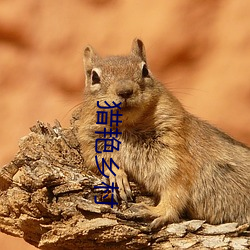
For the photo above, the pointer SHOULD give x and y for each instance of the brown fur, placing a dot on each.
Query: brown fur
(191, 166)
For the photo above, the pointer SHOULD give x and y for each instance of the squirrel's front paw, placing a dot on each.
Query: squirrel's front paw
(160, 216)
(142, 211)
(158, 223)
(121, 181)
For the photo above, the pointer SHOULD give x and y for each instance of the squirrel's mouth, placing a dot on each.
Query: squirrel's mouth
(127, 104)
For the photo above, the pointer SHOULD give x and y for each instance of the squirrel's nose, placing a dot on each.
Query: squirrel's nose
(125, 93)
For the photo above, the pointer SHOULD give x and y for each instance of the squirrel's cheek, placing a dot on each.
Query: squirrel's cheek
(95, 88)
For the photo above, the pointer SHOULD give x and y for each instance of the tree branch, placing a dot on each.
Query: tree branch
(47, 198)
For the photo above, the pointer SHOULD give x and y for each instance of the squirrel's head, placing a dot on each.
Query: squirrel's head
(124, 79)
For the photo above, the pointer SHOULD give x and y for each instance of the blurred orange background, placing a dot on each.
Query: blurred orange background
(200, 49)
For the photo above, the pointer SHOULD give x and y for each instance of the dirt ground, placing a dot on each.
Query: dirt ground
(200, 49)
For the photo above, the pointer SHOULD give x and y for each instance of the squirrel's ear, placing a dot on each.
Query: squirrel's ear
(138, 49)
(89, 57)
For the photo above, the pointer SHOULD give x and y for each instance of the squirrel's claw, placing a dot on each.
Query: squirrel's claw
(124, 188)
(121, 180)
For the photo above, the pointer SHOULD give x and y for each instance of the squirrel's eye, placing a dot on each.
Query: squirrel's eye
(145, 72)
(95, 78)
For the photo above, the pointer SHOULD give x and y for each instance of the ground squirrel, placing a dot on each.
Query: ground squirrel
(190, 166)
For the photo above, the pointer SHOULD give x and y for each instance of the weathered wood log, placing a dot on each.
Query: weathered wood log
(47, 198)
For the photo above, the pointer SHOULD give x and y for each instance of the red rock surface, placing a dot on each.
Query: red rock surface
(201, 49)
